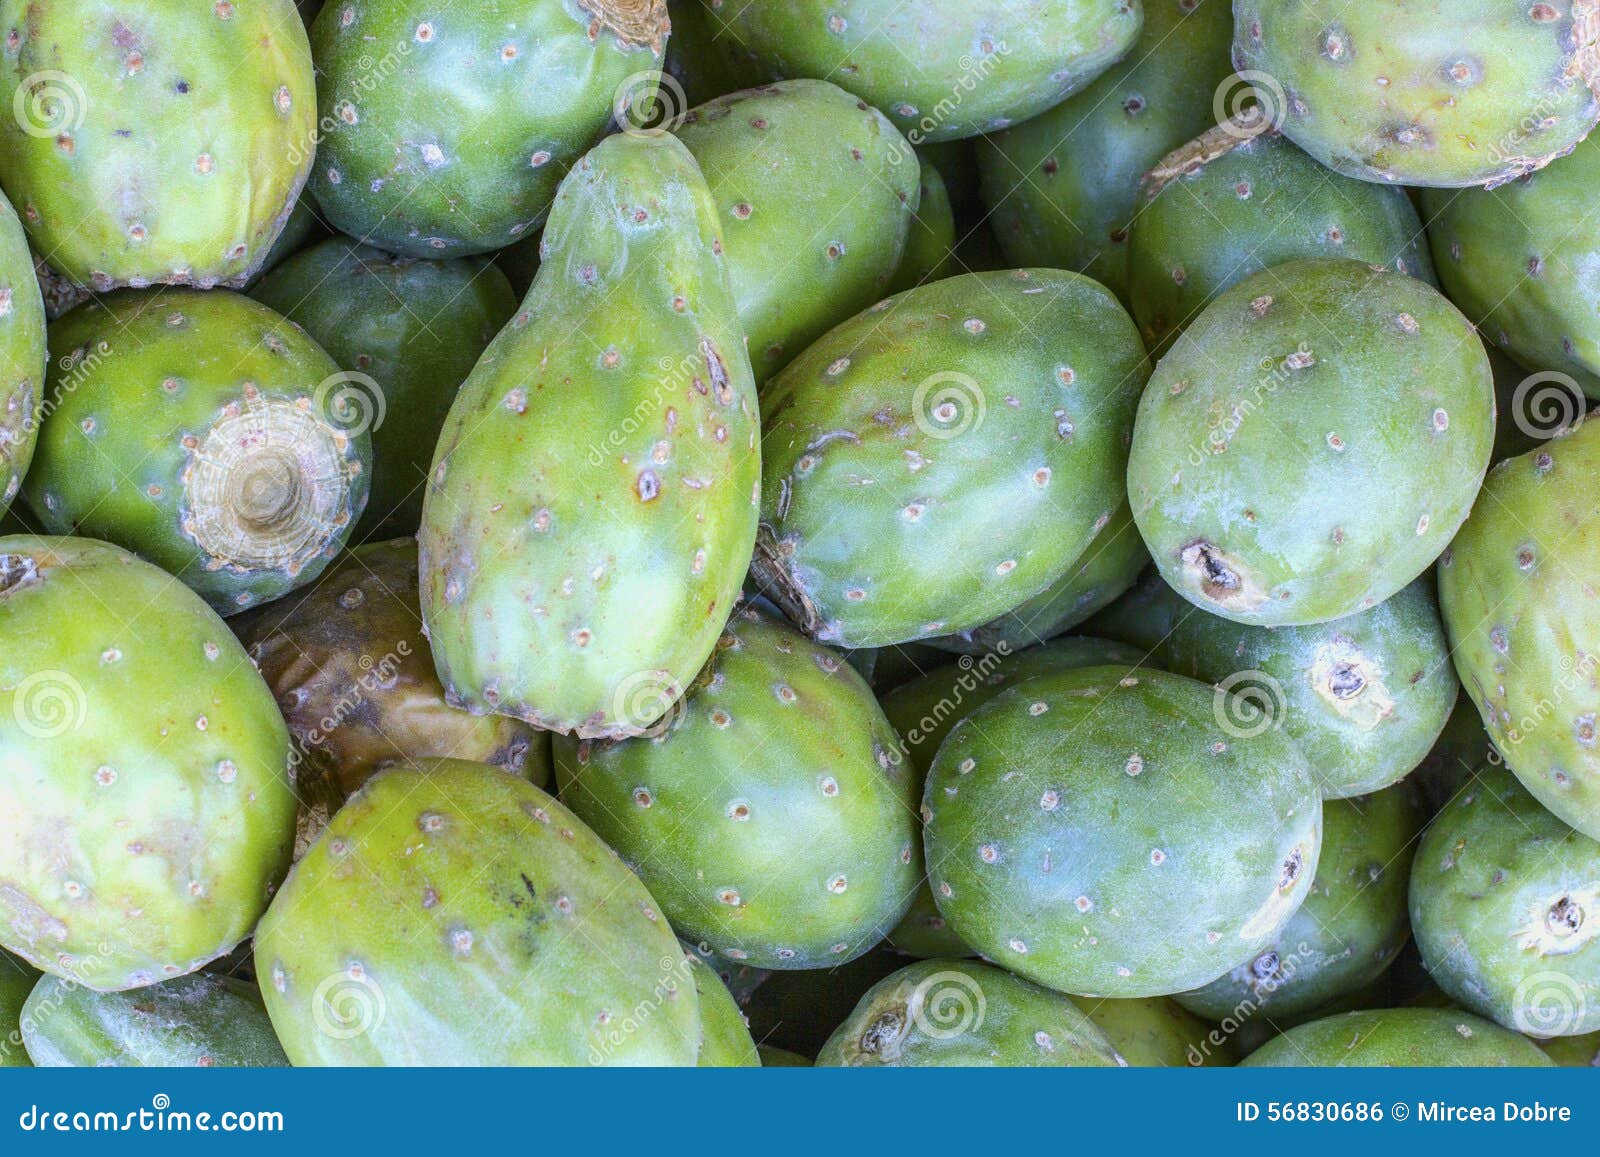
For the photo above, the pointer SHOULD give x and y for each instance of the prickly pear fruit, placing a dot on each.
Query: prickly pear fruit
(1104, 572)
(353, 675)
(816, 192)
(199, 1021)
(931, 243)
(453, 914)
(962, 1013)
(406, 333)
(1064, 186)
(1096, 875)
(1155, 1032)
(942, 71)
(1400, 1038)
(202, 432)
(1505, 901)
(454, 141)
(1364, 697)
(22, 354)
(1286, 470)
(725, 1041)
(1240, 198)
(1519, 263)
(140, 745)
(1581, 1052)
(1349, 930)
(592, 507)
(1514, 588)
(773, 1058)
(891, 443)
(798, 1010)
(16, 982)
(155, 142)
(1415, 92)
(803, 858)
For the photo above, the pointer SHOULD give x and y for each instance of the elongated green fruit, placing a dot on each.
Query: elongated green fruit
(1400, 1038)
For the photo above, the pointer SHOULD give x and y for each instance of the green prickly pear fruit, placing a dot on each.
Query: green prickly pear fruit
(1364, 697)
(1400, 1038)
(1287, 471)
(353, 674)
(16, 982)
(407, 333)
(453, 914)
(891, 443)
(137, 741)
(155, 142)
(1156, 1032)
(1520, 263)
(773, 1058)
(199, 1021)
(1064, 186)
(942, 71)
(592, 508)
(303, 227)
(931, 244)
(1166, 851)
(1241, 198)
(1582, 1052)
(801, 859)
(1108, 566)
(1505, 902)
(962, 1013)
(445, 133)
(816, 192)
(1415, 92)
(1347, 933)
(1514, 587)
(22, 354)
(203, 432)
(725, 1041)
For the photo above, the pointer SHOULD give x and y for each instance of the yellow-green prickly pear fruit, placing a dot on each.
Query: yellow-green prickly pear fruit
(592, 507)
(725, 1041)
(141, 747)
(1400, 1038)
(155, 141)
(22, 354)
(453, 914)
(205, 433)
(445, 129)
(17, 980)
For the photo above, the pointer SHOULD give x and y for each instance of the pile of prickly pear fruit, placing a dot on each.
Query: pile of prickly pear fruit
(782, 532)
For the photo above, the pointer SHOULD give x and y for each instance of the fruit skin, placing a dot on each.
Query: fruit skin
(816, 193)
(453, 914)
(154, 145)
(772, 1058)
(1400, 1038)
(1420, 92)
(981, 393)
(408, 333)
(1088, 876)
(601, 535)
(803, 858)
(725, 1041)
(142, 745)
(202, 432)
(22, 354)
(1108, 566)
(416, 164)
(1241, 198)
(1156, 1032)
(1364, 697)
(1505, 901)
(1516, 263)
(353, 674)
(962, 1013)
(931, 243)
(1285, 472)
(941, 71)
(16, 982)
(198, 1021)
(1515, 595)
(1573, 1051)
(1347, 933)
(1064, 186)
